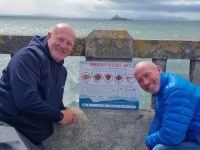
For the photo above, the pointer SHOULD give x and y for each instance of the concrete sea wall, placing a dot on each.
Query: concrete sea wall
(104, 129)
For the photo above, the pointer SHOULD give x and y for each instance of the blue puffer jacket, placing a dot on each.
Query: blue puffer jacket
(31, 90)
(177, 112)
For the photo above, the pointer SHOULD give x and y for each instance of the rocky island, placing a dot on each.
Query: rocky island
(116, 17)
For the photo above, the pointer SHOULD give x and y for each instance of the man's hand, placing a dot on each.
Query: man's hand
(68, 118)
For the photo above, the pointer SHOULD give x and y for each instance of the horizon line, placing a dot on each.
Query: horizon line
(131, 19)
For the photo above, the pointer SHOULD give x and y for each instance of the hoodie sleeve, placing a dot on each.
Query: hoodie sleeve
(24, 72)
(179, 108)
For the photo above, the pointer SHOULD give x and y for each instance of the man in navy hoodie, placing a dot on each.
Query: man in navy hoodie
(31, 90)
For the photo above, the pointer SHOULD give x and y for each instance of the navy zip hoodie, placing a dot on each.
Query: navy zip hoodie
(31, 91)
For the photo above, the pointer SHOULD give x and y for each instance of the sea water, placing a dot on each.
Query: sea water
(160, 30)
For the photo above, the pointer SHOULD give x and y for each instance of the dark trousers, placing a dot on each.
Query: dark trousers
(11, 139)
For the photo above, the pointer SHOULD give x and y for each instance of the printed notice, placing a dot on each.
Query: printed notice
(108, 85)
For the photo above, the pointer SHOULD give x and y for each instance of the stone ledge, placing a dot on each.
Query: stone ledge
(102, 129)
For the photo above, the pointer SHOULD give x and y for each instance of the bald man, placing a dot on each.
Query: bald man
(176, 125)
(31, 90)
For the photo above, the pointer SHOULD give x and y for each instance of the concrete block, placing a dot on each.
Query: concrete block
(109, 44)
(102, 129)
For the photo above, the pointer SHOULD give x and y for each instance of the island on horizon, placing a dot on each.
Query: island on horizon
(116, 17)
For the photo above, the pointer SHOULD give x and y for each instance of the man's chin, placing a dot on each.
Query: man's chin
(57, 59)
(150, 91)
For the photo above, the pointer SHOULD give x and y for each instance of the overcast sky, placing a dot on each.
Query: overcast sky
(132, 9)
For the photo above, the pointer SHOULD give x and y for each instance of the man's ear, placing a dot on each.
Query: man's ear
(159, 69)
(49, 35)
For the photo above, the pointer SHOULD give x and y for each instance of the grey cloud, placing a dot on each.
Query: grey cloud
(166, 8)
(156, 5)
(148, 1)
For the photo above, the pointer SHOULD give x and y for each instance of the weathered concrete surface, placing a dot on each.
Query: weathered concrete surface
(109, 44)
(194, 71)
(172, 49)
(102, 129)
(11, 44)
(115, 46)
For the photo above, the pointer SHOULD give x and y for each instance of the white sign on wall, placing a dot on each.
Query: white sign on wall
(108, 85)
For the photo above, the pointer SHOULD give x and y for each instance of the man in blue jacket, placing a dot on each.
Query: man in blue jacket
(31, 90)
(176, 125)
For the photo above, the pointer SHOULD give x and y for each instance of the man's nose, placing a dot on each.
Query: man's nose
(64, 46)
(145, 81)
